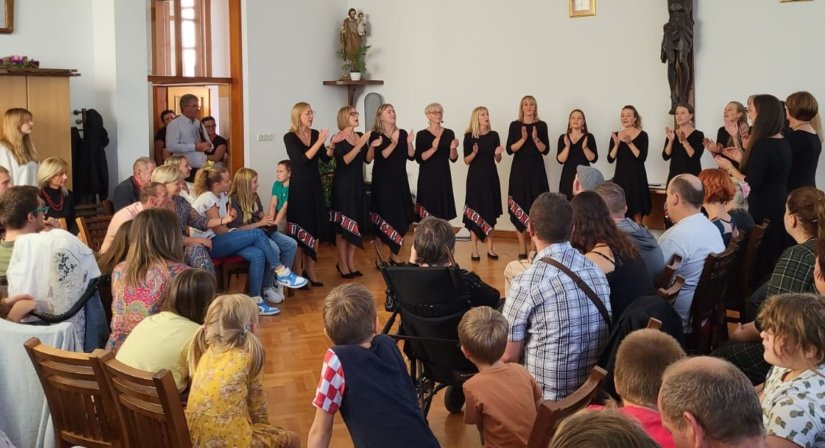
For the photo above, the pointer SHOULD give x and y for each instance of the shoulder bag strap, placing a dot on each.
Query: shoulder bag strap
(584, 287)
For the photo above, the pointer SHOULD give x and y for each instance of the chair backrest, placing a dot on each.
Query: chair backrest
(755, 237)
(552, 412)
(81, 405)
(148, 405)
(654, 324)
(92, 231)
(668, 275)
(672, 291)
(105, 208)
(707, 312)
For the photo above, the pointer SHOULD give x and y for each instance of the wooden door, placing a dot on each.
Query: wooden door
(48, 101)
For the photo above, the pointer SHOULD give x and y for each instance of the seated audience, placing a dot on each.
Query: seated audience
(152, 194)
(698, 415)
(161, 341)
(128, 191)
(596, 236)
(51, 178)
(115, 254)
(138, 284)
(501, 398)
(587, 179)
(641, 360)
(693, 238)
(613, 196)
(161, 153)
(719, 191)
(220, 147)
(227, 403)
(187, 189)
(567, 327)
(365, 377)
(601, 429)
(792, 399)
(5, 179)
(431, 240)
(17, 153)
(738, 206)
(17, 307)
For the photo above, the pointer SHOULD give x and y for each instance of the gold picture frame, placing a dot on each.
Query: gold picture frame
(582, 8)
(790, 1)
(7, 17)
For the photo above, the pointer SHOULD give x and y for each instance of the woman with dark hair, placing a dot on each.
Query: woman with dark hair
(161, 153)
(596, 236)
(683, 145)
(628, 147)
(577, 147)
(805, 139)
(765, 166)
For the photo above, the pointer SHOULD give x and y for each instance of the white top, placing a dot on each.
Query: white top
(181, 136)
(794, 410)
(20, 175)
(204, 202)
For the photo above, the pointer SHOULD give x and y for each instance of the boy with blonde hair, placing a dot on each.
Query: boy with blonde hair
(502, 398)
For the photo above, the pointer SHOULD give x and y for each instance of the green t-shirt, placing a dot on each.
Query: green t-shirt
(281, 192)
(6, 250)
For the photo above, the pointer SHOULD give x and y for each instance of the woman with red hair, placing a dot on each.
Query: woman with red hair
(719, 190)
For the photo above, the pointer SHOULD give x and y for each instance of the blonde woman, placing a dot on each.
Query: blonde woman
(482, 207)
(51, 178)
(435, 146)
(187, 189)
(628, 148)
(17, 152)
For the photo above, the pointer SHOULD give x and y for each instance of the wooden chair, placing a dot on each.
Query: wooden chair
(105, 208)
(552, 412)
(228, 267)
(654, 324)
(81, 405)
(707, 312)
(92, 231)
(668, 275)
(673, 290)
(755, 237)
(148, 406)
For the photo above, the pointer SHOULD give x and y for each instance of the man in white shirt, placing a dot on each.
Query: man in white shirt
(693, 238)
(186, 135)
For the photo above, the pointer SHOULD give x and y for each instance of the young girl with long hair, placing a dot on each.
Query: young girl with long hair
(227, 404)
(17, 152)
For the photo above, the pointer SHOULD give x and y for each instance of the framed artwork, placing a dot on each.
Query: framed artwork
(789, 1)
(7, 17)
(582, 8)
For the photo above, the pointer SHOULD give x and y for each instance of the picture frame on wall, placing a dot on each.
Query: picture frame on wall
(7, 17)
(790, 1)
(582, 8)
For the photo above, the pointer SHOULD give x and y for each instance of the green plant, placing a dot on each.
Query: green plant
(358, 62)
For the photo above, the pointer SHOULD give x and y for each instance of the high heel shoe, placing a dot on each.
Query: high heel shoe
(357, 274)
(475, 257)
(492, 256)
(313, 282)
(341, 274)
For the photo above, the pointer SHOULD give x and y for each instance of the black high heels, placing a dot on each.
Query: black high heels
(492, 256)
(348, 275)
(357, 274)
(311, 282)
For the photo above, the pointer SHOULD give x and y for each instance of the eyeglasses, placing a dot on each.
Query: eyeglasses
(437, 112)
(44, 209)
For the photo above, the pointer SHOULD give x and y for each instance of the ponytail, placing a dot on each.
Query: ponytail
(208, 176)
(196, 349)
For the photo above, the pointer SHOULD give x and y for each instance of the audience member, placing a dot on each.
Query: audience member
(186, 134)
(227, 402)
(693, 238)
(280, 194)
(567, 326)
(501, 399)
(738, 206)
(596, 236)
(17, 153)
(161, 154)
(152, 194)
(708, 402)
(719, 190)
(613, 196)
(128, 191)
(793, 332)
(51, 178)
(587, 179)
(155, 257)
(5, 179)
(17, 307)
(600, 429)
(187, 189)
(161, 341)
(220, 147)
(365, 377)
(115, 254)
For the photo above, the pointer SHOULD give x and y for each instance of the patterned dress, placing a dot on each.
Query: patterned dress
(196, 256)
(228, 409)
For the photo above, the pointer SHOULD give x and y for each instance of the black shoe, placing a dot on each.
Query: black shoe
(357, 274)
(492, 256)
(475, 257)
(522, 256)
(347, 275)
(311, 282)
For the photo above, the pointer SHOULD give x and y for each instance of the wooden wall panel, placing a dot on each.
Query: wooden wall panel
(12, 93)
(48, 100)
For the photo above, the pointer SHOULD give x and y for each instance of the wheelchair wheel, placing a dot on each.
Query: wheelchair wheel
(454, 399)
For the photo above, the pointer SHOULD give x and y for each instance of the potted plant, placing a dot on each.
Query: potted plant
(357, 66)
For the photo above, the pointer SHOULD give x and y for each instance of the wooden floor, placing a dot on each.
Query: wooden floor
(295, 345)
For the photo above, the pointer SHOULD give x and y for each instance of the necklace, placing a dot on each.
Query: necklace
(804, 123)
(52, 205)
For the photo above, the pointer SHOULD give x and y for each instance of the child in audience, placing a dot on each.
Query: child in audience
(600, 429)
(17, 307)
(280, 193)
(227, 404)
(793, 333)
(365, 377)
(161, 341)
(502, 398)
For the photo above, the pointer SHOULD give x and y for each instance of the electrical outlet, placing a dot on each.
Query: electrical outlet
(266, 137)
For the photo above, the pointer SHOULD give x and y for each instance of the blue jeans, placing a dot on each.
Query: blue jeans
(253, 246)
(285, 248)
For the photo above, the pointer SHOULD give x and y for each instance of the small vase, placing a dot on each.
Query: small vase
(355, 76)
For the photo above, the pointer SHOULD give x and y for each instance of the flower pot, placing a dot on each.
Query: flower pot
(355, 76)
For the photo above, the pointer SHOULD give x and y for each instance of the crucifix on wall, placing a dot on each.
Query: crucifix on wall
(677, 52)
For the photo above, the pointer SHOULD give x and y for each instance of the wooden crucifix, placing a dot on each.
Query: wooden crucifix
(677, 52)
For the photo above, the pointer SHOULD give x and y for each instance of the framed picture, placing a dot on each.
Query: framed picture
(582, 8)
(7, 17)
(789, 1)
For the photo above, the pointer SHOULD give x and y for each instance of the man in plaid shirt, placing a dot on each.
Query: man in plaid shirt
(553, 324)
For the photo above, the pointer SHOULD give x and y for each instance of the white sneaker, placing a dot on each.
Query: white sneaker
(273, 295)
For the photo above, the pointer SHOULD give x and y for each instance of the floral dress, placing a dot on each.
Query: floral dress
(196, 256)
(228, 409)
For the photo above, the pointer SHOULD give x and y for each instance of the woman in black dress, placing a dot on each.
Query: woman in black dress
(628, 148)
(684, 145)
(805, 139)
(349, 201)
(527, 141)
(306, 217)
(482, 207)
(765, 166)
(392, 207)
(730, 137)
(576, 147)
(435, 146)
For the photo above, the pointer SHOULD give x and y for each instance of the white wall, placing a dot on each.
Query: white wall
(770, 47)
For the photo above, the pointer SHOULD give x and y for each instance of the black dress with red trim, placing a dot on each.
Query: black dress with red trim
(348, 212)
(528, 176)
(392, 207)
(307, 216)
(482, 206)
(60, 206)
(434, 195)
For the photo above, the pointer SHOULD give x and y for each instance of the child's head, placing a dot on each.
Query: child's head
(283, 171)
(5, 179)
(213, 178)
(483, 334)
(190, 294)
(117, 251)
(641, 360)
(793, 330)
(229, 325)
(350, 317)
(607, 428)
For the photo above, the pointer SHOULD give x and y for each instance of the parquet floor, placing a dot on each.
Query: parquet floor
(296, 344)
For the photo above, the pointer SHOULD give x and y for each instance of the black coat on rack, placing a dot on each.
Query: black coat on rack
(89, 166)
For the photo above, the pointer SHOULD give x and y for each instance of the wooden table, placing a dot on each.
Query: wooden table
(656, 219)
(352, 85)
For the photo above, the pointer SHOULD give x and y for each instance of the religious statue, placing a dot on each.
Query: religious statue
(351, 39)
(363, 25)
(677, 45)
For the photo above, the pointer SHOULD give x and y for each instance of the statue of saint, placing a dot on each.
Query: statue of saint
(351, 40)
(677, 44)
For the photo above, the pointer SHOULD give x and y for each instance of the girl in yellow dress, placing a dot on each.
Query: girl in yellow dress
(227, 405)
